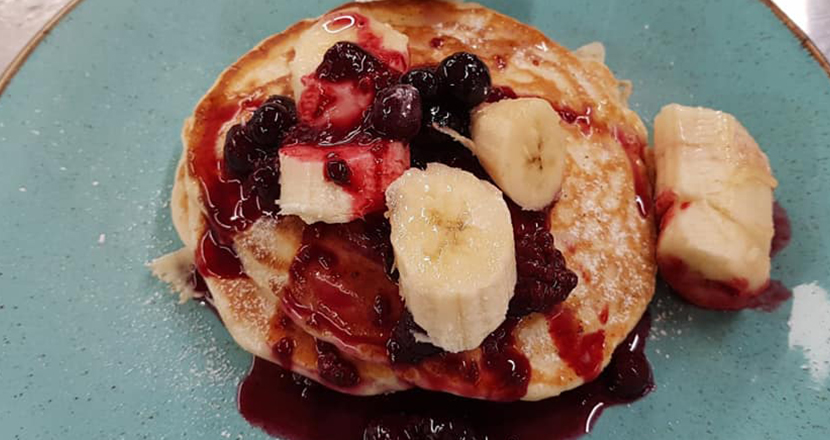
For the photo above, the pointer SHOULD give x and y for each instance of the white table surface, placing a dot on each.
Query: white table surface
(20, 20)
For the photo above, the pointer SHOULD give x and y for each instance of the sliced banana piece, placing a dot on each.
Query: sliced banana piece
(719, 185)
(308, 189)
(523, 147)
(346, 25)
(453, 243)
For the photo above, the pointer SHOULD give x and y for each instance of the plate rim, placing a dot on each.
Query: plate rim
(22, 56)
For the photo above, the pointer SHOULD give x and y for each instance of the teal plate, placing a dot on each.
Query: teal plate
(94, 348)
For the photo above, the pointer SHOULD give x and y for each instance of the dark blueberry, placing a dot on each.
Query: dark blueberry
(629, 375)
(270, 122)
(396, 112)
(465, 77)
(430, 145)
(285, 101)
(241, 153)
(266, 183)
(447, 116)
(337, 170)
(347, 60)
(423, 79)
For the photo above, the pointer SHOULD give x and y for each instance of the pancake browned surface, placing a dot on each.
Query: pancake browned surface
(596, 222)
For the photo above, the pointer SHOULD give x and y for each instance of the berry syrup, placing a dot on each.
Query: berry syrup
(291, 407)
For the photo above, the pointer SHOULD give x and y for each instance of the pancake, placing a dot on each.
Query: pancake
(602, 222)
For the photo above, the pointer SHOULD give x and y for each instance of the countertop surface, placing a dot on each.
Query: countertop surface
(20, 21)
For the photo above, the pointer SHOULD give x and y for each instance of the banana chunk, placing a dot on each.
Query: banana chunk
(453, 243)
(377, 37)
(523, 147)
(361, 174)
(714, 187)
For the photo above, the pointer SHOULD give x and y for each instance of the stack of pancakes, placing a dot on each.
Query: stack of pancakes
(605, 235)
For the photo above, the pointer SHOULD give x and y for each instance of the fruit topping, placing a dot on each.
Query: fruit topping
(270, 121)
(403, 347)
(543, 280)
(523, 147)
(714, 192)
(454, 250)
(241, 153)
(464, 77)
(388, 49)
(396, 113)
(265, 182)
(338, 184)
(337, 170)
(444, 115)
(425, 80)
(348, 61)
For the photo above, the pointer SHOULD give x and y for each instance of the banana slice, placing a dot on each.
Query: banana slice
(715, 189)
(453, 243)
(522, 145)
(357, 187)
(377, 37)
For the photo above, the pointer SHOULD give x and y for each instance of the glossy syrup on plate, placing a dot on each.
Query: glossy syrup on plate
(291, 407)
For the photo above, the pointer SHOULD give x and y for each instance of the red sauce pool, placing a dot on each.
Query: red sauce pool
(293, 408)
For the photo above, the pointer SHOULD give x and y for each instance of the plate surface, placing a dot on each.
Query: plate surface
(93, 347)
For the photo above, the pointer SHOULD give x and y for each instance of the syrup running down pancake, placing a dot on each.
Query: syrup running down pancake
(279, 284)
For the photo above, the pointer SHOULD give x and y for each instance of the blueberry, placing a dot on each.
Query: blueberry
(347, 60)
(446, 116)
(337, 170)
(266, 184)
(286, 101)
(430, 145)
(271, 120)
(241, 154)
(465, 77)
(396, 112)
(423, 79)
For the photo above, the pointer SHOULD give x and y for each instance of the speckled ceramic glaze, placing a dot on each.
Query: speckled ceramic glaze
(94, 348)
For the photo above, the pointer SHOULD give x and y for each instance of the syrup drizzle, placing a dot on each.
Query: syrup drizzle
(582, 352)
(340, 282)
(290, 407)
